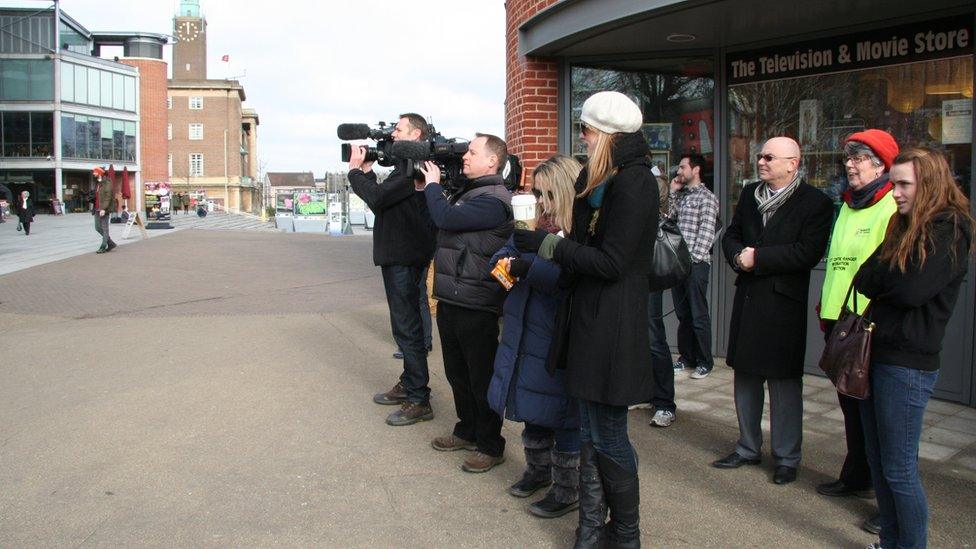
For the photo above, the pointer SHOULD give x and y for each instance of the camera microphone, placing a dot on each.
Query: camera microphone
(411, 150)
(349, 132)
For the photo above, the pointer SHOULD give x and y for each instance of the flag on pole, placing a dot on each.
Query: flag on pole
(225, 59)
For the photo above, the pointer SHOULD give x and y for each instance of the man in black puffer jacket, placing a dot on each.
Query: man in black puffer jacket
(472, 225)
(403, 244)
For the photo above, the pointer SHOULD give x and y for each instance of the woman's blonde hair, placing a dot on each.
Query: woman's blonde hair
(555, 180)
(599, 166)
(936, 193)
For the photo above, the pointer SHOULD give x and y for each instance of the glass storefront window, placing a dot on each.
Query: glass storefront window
(676, 97)
(16, 134)
(130, 141)
(925, 103)
(42, 134)
(68, 138)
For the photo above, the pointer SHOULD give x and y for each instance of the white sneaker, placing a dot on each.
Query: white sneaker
(662, 418)
(700, 372)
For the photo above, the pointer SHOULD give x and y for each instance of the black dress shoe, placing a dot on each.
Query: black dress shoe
(734, 461)
(784, 474)
(838, 489)
(872, 525)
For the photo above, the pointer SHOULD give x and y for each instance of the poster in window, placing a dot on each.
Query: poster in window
(809, 120)
(957, 121)
(661, 160)
(658, 136)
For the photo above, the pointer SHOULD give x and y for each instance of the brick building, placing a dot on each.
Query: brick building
(212, 137)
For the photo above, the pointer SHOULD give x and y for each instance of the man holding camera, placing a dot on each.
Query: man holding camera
(472, 225)
(403, 244)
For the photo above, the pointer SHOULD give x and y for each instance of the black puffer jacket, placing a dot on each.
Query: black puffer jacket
(403, 234)
(911, 309)
(462, 274)
(602, 338)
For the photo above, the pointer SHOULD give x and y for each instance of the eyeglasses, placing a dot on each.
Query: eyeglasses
(856, 159)
(538, 194)
(771, 157)
(583, 128)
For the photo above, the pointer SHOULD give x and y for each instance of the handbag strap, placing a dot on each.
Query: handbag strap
(850, 290)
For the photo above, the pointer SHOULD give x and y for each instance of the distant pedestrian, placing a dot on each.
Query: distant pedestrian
(913, 280)
(778, 234)
(25, 211)
(662, 394)
(185, 200)
(105, 204)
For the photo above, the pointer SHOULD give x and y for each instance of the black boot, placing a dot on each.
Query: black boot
(563, 497)
(623, 498)
(592, 504)
(538, 466)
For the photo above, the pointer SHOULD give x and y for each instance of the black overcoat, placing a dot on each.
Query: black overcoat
(603, 341)
(767, 334)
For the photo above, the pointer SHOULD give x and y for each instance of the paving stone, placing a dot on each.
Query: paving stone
(935, 452)
(945, 437)
(944, 407)
(956, 423)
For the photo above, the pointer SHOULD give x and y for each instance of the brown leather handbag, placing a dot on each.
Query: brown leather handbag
(847, 357)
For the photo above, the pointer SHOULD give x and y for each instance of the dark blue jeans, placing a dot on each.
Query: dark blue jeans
(605, 427)
(425, 308)
(892, 429)
(566, 440)
(662, 396)
(694, 323)
(402, 295)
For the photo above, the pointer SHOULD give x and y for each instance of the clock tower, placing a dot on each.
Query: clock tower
(190, 50)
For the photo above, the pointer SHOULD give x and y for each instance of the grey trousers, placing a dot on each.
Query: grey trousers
(101, 227)
(785, 414)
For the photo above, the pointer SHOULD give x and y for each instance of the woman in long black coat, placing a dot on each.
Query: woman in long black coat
(24, 207)
(606, 353)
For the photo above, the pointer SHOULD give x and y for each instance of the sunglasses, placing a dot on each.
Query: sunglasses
(770, 157)
(583, 128)
(538, 194)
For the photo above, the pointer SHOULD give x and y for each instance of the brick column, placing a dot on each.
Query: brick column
(531, 112)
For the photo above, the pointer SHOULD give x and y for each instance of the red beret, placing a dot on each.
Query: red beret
(880, 142)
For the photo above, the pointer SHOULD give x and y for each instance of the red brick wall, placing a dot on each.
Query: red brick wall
(531, 113)
(153, 146)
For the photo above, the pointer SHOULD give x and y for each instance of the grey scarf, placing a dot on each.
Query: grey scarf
(768, 202)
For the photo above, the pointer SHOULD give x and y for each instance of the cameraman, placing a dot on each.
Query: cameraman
(403, 244)
(472, 225)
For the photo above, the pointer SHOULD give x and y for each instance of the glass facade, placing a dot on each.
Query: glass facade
(97, 138)
(925, 103)
(26, 80)
(75, 41)
(100, 88)
(27, 134)
(675, 95)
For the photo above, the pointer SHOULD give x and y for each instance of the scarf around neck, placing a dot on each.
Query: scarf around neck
(769, 202)
(869, 194)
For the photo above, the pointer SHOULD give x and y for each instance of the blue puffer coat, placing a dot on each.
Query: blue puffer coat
(521, 389)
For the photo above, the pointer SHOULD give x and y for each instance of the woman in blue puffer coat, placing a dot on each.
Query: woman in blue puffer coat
(521, 389)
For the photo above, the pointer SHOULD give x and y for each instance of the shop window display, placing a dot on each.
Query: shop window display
(923, 103)
(676, 97)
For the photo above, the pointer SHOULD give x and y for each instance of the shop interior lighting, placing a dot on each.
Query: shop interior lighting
(679, 38)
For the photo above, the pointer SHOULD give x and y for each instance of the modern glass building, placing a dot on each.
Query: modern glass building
(63, 110)
(721, 77)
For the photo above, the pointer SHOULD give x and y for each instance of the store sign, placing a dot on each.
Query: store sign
(941, 38)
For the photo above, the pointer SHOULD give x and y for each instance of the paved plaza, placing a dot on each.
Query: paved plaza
(212, 388)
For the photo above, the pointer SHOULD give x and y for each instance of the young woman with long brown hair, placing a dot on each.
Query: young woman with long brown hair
(913, 282)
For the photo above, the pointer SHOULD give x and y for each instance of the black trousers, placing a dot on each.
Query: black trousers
(855, 472)
(469, 339)
(662, 396)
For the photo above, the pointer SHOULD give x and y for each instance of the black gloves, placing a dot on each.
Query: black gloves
(518, 267)
(529, 241)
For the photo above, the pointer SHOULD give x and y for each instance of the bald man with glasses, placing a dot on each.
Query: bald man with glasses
(778, 233)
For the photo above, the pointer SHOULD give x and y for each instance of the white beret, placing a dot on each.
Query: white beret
(612, 112)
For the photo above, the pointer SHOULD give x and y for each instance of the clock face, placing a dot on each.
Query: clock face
(188, 30)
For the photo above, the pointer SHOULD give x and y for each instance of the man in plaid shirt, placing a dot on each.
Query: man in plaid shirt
(696, 210)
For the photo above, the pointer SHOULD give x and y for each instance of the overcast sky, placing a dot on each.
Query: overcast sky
(312, 65)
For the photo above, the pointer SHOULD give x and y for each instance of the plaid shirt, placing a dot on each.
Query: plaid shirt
(696, 210)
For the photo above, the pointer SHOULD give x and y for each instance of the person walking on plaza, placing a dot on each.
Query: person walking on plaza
(403, 244)
(779, 232)
(521, 389)
(602, 341)
(913, 280)
(185, 201)
(696, 210)
(25, 211)
(868, 205)
(105, 204)
(472, 225)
